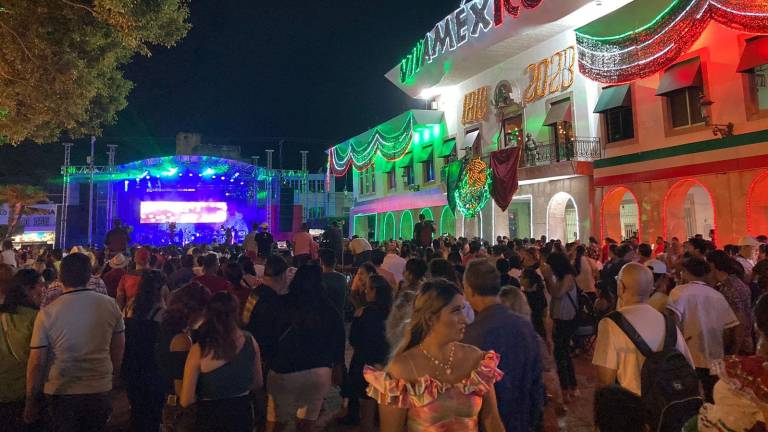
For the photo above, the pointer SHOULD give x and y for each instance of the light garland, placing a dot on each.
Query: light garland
(360, 154)
(652, 47)
(474, 188)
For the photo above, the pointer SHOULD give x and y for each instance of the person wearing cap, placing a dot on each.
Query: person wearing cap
(115, 272)
(264, 241)
(662, 285)
(129, 283)
(746, 256)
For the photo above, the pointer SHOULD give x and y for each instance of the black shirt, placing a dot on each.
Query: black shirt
(268, 320)
(314, 338)
(264, 241)
(367, 335)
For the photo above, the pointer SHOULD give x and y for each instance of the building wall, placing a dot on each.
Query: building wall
(492, 221)
(726, 168)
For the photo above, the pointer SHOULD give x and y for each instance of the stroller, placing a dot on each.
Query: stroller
(587, 318)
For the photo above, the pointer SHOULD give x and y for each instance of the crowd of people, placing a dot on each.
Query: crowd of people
(448, 334)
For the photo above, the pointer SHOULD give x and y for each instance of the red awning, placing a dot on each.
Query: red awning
(679, 76)
(755, 54)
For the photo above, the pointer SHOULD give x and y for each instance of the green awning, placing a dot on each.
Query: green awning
(383, 165)
(404, 161)
(445, 148)
(613, 97)
(423, 153)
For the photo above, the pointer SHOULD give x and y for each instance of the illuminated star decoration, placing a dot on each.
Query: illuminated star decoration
(646, 50)
(474, 188)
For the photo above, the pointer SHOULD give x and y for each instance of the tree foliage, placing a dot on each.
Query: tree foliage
(20, 199)
(60, 61)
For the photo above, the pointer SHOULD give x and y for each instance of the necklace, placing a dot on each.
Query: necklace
(447, 367)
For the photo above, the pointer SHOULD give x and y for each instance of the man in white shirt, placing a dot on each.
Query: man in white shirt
(394, 262)
(746, 257)
(705, 318)
(77, 344)
(616, 356)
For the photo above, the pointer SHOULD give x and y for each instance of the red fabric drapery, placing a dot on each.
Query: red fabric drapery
(504, 165)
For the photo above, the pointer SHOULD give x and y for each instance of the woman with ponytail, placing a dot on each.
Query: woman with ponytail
(433, 380)
(222, 368)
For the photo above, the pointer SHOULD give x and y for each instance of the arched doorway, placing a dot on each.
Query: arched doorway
(388, 227)
(620, 214)
(472, 227)
(428, 215)
(689, 209)
(562, 218)
(757, 205)
(447, 222)
(406, 225)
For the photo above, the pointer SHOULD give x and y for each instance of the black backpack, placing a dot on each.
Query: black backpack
(668, 383)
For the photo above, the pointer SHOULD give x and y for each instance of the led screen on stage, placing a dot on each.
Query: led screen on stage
(183, 212)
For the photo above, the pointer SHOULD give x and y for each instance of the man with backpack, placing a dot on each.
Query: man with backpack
(644, 351)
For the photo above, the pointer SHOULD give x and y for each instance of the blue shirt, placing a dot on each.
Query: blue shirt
(520, 393)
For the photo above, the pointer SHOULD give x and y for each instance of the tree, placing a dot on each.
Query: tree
(20, 199)
(60, 61)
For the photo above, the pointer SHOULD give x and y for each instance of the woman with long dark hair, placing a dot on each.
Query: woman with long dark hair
(310, 346)
(222, 368)
(559, 276)
(367, 337)
(177, 334)
(434, 381)
(17, 315)
(144, 383)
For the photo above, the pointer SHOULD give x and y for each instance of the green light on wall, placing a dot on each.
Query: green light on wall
(416, 138)
(406, 225)
(436, 129)
(427, 135)
(427, 212)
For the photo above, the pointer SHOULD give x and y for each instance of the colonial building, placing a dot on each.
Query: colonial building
(683, 112)
(631, 118)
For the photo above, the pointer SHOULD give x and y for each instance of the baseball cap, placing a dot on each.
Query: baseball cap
(748, 241)
(656, 266)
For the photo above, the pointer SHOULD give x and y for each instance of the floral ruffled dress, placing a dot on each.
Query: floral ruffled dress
(434, 406)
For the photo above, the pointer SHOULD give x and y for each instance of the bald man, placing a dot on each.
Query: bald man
(616, 357)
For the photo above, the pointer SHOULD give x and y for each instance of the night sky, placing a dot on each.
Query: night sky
(251, 72)
(248, 73)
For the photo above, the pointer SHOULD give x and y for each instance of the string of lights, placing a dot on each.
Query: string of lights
(654, 46)
(360, 154)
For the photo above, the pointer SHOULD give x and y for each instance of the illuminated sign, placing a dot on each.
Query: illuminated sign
(551, 75)
(475, 106)
(182, 212)
(470, 20)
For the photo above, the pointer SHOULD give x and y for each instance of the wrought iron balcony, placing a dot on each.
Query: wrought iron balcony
(545, 153)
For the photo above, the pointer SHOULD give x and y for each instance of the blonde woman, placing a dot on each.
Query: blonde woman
(433, 380)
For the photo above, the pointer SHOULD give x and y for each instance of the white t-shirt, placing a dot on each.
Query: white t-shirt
(395, 264)
(8, 257)
(359, 245)
(704, 314)
(614, 350)
(77, 329)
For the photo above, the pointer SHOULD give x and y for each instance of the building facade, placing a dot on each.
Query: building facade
(688, 153)
(631, 118)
